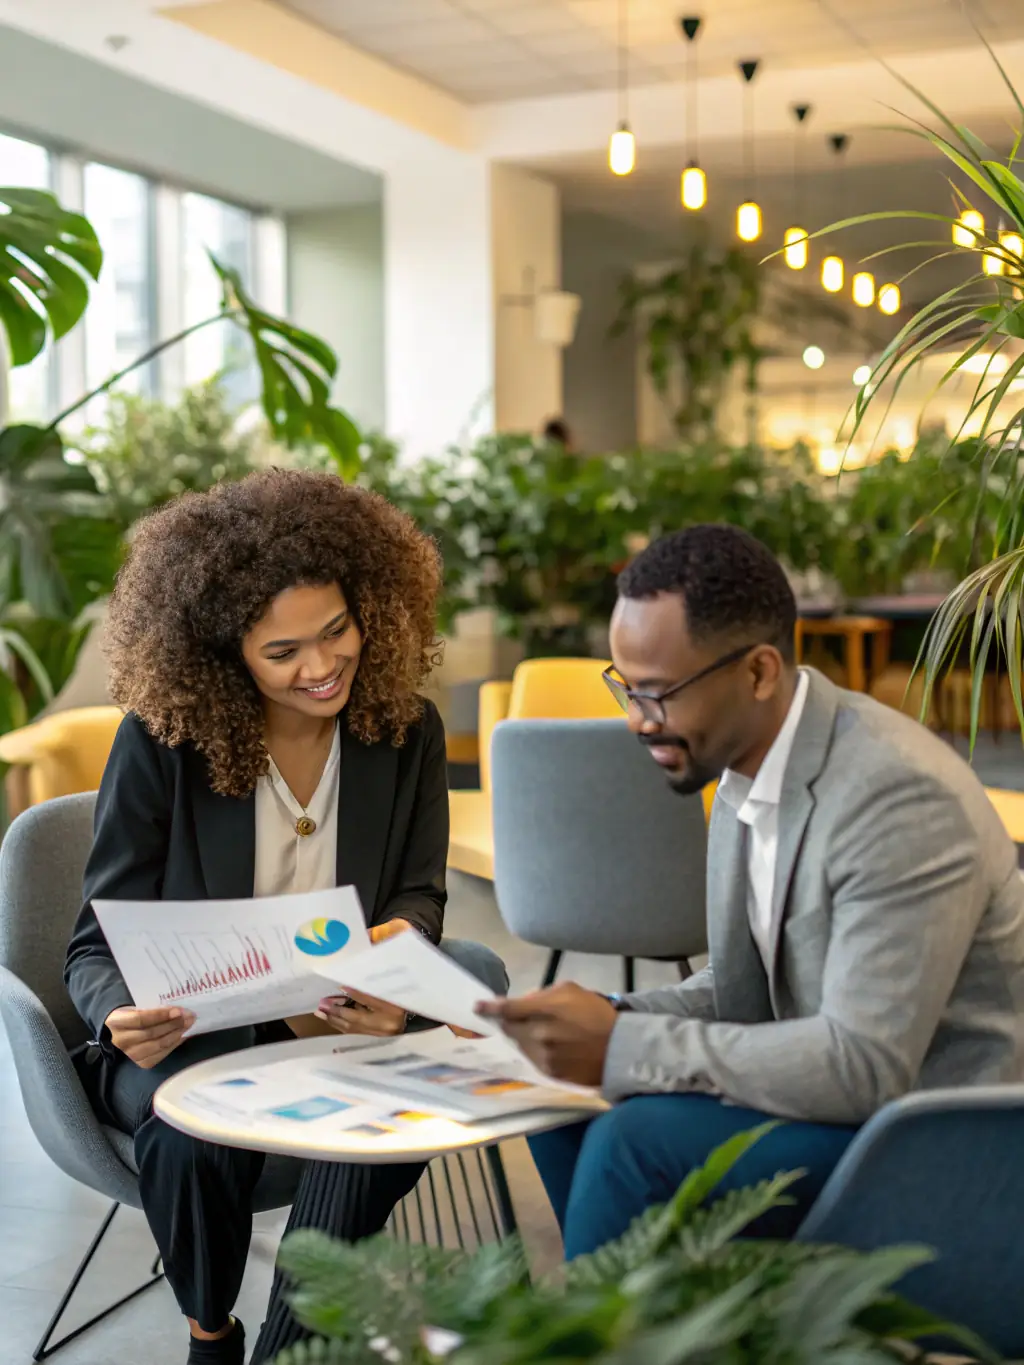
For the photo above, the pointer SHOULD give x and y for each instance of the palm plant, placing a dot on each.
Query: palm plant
(982, 316)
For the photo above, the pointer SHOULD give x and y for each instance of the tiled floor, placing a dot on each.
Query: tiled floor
(47, 1220)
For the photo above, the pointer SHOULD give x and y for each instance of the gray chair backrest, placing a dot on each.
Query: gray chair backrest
(42, 859)
(593, 852)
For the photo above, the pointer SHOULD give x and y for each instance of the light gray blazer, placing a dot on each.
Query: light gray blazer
(897, 938)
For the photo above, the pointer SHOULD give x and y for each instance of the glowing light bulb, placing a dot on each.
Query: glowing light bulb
(748, 222)
(889, 299)
(814, 357)
(967, 225)
(622, 150)
(1013, 251)
(863, 289)
(861, 375)
(992, 263)
(693, 191)
(832, 274)
(795, 253)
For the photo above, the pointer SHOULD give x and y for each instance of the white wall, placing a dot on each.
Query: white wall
(600, 371)
(438, 311)
(526, 237)
(336, 288)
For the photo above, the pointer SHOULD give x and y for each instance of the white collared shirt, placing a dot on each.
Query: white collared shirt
(756, 803)
(285, 860)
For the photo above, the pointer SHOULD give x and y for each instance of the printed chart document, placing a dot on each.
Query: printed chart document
(409, 972)
(233, 962)
(384, 1087)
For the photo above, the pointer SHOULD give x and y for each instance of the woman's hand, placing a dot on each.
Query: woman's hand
(356, 1013)
(389, 929)
(146, 1037)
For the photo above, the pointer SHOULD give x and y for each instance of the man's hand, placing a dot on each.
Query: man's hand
(354, 1012)
(563, 1030)
(146, 1037)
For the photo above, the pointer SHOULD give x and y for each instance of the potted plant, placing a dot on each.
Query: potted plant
(679, 1286)
(981, 316)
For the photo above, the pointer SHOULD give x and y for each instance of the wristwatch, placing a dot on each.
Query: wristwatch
(621, 1004)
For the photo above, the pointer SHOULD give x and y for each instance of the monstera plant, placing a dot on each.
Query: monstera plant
(59, 543)
(981, 319)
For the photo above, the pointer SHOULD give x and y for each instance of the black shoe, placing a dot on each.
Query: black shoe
(229, 1350)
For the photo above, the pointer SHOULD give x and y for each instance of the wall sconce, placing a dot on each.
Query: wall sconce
(555, 311)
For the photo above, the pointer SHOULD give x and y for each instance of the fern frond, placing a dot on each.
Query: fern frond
(709, 1229)
(664, 1227)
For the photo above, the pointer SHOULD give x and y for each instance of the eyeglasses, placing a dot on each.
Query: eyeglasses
(651, 705)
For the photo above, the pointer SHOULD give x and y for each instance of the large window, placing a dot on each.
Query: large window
(156, 281)
(27, 166)
(209, 226)
(119, 319)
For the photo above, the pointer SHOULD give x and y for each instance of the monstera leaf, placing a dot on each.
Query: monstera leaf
(59, 547)
(297, 369)
(47, 258)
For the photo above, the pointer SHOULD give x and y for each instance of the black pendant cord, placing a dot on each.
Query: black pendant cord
(623, 75)
(690, 28)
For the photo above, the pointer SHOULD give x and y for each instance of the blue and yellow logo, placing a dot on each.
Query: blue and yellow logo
(322, 937)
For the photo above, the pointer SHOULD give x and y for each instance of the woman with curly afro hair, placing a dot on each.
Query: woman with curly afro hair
(267, 642)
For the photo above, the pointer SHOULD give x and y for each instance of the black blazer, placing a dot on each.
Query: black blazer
(162, 833)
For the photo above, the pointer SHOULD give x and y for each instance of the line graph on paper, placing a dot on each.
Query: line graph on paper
(191, 965)
(231, 962)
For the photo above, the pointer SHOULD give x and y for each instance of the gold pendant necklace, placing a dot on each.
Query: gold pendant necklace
(304, 827)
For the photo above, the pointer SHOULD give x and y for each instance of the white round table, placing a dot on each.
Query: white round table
(424, 1141)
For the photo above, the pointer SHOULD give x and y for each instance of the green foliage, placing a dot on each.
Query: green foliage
(145, 452)
(47, 258)
(297, 369)
(989, 312)
(59, 546)
(676, 1288)
(697, 324)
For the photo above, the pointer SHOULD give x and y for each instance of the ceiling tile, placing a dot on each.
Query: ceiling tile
(570, 37)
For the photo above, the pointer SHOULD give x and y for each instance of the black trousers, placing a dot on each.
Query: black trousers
(197, 1196)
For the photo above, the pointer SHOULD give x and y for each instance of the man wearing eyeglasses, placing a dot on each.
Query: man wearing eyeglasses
(865, 911)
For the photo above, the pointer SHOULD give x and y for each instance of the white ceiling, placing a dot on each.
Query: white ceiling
(74, 103)
(492, 50)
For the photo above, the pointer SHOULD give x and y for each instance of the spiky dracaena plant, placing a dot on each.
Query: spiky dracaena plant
(676, 1288)
(981, 316)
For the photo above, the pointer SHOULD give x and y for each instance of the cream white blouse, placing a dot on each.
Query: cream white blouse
(286, 861)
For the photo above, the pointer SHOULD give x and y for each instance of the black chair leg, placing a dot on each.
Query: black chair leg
(628, 975)
(44, 1350)
(685, 970)
(551, 971)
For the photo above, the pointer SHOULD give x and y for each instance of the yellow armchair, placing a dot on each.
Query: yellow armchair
(61, 754)
(541, 689)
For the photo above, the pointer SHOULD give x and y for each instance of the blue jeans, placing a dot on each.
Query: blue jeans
(602, 1174)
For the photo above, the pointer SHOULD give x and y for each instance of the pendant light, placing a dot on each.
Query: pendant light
(968, 227)
(863, 289)
(833, 272)
(889, 300)
(693, 186)
(1013, 252)
(795, 239)
(748, 215)
(622, 147)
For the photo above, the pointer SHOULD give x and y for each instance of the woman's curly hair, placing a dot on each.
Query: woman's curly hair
(203, 570)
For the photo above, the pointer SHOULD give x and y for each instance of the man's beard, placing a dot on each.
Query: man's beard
(694, 778)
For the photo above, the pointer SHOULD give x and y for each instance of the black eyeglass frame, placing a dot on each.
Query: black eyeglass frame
(652, 704)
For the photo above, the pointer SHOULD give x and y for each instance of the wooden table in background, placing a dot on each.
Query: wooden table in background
(853, 631)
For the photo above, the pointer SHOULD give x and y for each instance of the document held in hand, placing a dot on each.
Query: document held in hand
(251, 961)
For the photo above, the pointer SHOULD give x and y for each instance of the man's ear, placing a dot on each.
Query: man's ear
(768, 668)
